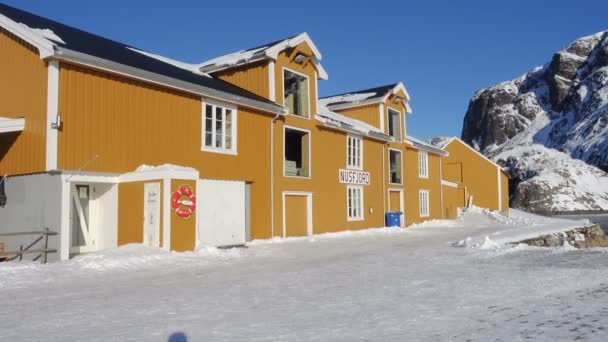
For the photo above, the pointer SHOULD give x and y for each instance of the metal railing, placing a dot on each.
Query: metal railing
(39, 236)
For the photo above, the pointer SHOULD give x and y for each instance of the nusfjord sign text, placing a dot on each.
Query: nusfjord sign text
(354, 177)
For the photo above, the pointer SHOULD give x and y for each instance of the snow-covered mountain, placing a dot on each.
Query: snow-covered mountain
(549, 128)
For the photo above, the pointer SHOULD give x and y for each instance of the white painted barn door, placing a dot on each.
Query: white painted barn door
(152, 214)
(84, 219)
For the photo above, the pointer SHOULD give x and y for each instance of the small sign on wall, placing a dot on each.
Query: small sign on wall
(354, 177)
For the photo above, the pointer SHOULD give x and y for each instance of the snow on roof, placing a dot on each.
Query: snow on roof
(263, 52)
(164, 168)
(365, 96)
(45, 33)
(440, 142)
(344, 98)
(352, 123)
(424, 145)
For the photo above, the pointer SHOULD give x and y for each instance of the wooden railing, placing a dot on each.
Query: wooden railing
(39, 236)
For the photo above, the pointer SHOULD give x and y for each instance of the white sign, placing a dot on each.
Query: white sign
(354, 177)
(152, 214)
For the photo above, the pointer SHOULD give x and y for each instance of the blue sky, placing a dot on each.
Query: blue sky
(442, 50)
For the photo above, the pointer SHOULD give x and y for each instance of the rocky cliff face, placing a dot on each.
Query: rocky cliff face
(549, 128)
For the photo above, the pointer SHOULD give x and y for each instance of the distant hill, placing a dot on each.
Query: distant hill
(549, 129)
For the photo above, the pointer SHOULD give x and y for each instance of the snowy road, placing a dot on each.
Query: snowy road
(378, 285)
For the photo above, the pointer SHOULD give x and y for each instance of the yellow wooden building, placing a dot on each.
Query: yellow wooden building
(469, 178)
(132, 147)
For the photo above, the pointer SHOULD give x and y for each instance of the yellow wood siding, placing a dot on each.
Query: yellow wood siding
(394, 201)
(296, 215)
(413, 185)
(114, 124)
(131, 212)
(253, 77)
(479, 176)
(23, 93)
(453, 198)
(183, 230)
(369, 114)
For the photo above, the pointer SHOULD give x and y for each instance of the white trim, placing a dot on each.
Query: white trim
(361, 191)
(140, 176)
(283, 92)
(316, 99)
(424, 196)
(448, 183)
(45, 48)
(285, 127)
(271, 52)
(401, 203)
(167, 213)
(388, 122)
(309, 215)
(64, 249)
(395, 90)
(272, 92)
(441, 189)
(11, 125)
(52, 115)
(389, 166)
(224, 106)
(382, 117)
(472, 149)
(374, 100)
(360, 145)
(423, 164)
(499, 189)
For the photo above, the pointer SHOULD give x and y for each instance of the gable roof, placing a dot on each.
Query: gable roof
(59, 41)
(423, 146)
(263, 52)
(344, 123)
(447, 142)
(365, 97)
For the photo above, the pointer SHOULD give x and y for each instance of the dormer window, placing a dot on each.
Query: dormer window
(296, 93)
(394, 124)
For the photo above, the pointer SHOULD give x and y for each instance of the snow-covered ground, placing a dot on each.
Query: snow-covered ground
(438, 281)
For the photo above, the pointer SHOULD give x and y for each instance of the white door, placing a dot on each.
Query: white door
(152, 214)
(83, 219)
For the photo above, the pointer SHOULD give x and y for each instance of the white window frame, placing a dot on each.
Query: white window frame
(423, 164)
(349, 159)
(358, 215)
(285, 128)
(225, 106)
(389, 166)
(423, 203)
(388, 122)
(283, 92)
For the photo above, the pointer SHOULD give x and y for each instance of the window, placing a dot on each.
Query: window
(423, 165)
(295, 93)
(424, 203)
(297, 153)
(219, 127)
(354, 202)
(354, 153)
(395, 166)
(394, 124)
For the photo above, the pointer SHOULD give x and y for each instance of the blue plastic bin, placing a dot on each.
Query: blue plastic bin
(393, 219)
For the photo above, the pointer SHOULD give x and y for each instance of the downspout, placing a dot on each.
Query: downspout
(384, 193)
(274, 119)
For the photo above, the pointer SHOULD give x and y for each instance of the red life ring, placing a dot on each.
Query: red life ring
(183, 208)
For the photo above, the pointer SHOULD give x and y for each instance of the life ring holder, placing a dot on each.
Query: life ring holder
(183, 208)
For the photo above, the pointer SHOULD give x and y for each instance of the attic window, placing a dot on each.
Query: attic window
(394, 124)
(295, 90)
